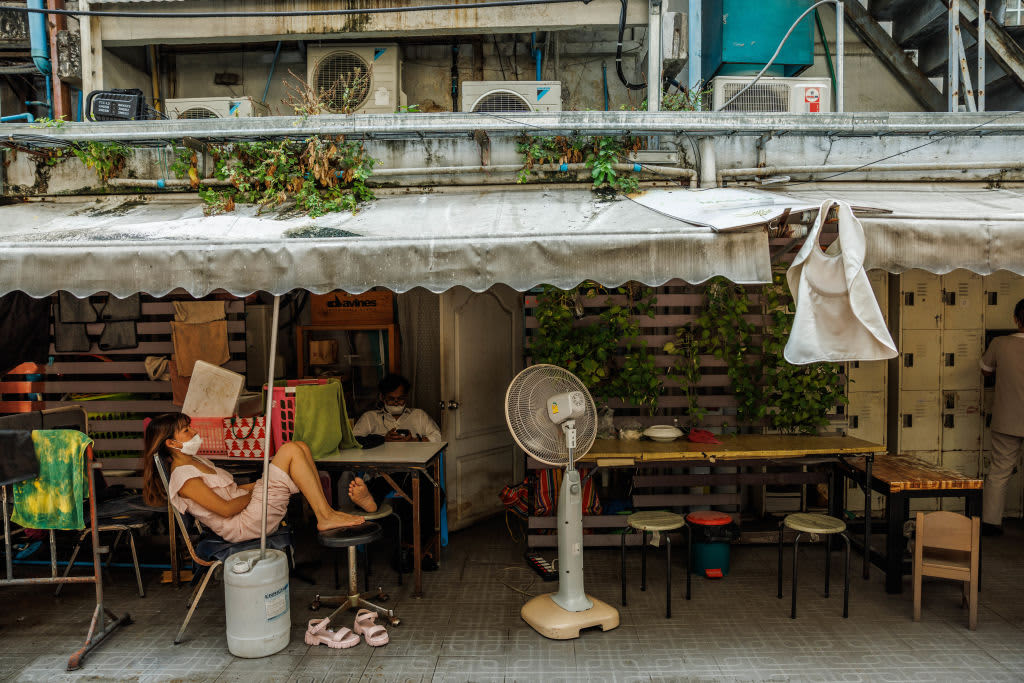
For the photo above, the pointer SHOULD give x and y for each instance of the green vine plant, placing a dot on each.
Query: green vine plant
(599, 154)
(607, 354)
(798, 398)
(108, 159)
(726, 334)
(685, 370)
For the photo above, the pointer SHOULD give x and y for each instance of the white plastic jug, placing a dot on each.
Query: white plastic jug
(257, 603)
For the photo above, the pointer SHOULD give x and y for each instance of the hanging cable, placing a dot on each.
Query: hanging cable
(618, 51)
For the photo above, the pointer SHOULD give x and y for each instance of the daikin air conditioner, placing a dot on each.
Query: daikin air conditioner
(778, 95)
(367, 77)
(511, 96)
(214, 107)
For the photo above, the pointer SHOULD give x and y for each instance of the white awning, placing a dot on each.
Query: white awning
(935, 227)
(474, 239)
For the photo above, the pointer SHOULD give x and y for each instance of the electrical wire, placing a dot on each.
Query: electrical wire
(618, 51)
(777, 51)
(287, 13)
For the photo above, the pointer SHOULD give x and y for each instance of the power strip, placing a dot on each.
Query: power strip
(543, 568)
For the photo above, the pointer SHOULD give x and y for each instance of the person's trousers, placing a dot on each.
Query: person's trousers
(1005, 452)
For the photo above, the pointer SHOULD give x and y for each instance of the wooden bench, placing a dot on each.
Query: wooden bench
(898, 479)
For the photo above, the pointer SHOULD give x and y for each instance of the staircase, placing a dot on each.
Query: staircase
(912, 38)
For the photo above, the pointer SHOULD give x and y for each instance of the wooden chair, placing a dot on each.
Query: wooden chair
(947, 545)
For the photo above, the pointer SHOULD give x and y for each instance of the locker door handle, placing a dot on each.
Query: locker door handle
(854, 421)
(947, 422)
(908, 421)
(908, 298)
(949, 298)
(950, 360)
(908, 360)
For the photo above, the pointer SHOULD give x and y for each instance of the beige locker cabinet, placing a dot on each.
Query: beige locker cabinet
(1014, 506)
(963, 301)
(967, 463)
(866, 376)
(962, 421)
(866, 414)
(1003, 290)
(919, 360)
(920, 301)
(961, 354)
(919, 422)
(855, 502)
(879, 280)
(925, 504)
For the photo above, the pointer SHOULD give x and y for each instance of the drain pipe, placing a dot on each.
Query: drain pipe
(538, 56)
(27, 116)
(40, 47)
(847, 168)
(270, 76)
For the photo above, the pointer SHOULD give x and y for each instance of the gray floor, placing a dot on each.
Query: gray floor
(467, 627)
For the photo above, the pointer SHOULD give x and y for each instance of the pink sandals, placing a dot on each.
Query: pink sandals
(366, 625)
(318, 633)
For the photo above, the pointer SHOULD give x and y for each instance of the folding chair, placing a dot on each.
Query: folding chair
(210, 551)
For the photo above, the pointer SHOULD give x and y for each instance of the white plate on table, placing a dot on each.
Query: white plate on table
(663, 433)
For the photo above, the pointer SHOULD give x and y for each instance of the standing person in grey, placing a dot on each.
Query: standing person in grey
(1005, 359)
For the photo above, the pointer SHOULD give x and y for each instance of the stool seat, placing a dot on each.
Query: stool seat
(656, 520)
(360, 534)
(383, 510)
(814, 523)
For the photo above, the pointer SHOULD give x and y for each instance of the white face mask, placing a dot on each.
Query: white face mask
(191, 447)
(395, 410)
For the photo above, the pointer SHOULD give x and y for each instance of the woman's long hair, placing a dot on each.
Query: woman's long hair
(158, 431)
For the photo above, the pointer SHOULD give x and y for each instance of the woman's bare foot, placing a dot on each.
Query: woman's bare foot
(360, 495)
(338, 520)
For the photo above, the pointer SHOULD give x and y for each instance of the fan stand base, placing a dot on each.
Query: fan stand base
(551, 621)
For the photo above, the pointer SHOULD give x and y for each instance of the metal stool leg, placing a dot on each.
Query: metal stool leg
(624, 567)
(689, 558)
(195, 601)
(846, 576)
(828, 561)
(782, 529)
(643, 560)
(135, 561)
(399, 520)
(668, 577)
(796, 550)
(366, 569)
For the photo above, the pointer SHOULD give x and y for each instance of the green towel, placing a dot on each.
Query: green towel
(54, 499)
(321, 420)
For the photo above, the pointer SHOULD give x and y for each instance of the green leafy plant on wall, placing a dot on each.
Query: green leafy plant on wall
(798, 398)
(598, 153)
(108, 159)
(606, 352)
(726, 334)
(686, 369)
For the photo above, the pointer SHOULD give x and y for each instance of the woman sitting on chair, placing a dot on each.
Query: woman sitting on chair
(211, 495)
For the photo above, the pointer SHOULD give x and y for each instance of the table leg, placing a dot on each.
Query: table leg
(437, 510)
(895, 512)
(417, 542)
(868, 460)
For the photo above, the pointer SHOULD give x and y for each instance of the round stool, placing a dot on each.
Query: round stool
(657, 521)
(350, 537)
(383, 510)
(816, 525)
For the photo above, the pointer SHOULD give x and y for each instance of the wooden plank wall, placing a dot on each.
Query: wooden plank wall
(115, 423)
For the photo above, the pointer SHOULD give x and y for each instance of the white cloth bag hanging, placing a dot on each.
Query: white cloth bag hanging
(837, 317)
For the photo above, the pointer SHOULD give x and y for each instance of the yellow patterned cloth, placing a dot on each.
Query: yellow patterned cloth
(53, 500)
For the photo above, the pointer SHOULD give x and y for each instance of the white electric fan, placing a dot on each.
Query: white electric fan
(552, 417)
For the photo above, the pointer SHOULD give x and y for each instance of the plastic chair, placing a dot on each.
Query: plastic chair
(947, 545)
(816, 525)
(656, 522)
(210, 551)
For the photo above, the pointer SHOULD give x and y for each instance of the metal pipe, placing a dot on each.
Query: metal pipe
(40, 49)
(268, 424)
(708, 163)
(270, 76)
(952, 55)
(841, 55)
(982, 25)
(154, 75)
(163, 183)
(695, 50)
(867, 168)
(654, 58)
(19, 69)
(27, 116)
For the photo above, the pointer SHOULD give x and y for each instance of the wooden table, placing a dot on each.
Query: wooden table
(735, 450)
(421, 458)
(899, 479)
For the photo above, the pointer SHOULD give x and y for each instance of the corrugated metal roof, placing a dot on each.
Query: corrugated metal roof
(437, 241)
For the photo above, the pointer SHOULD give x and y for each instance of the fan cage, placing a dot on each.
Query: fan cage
(198, 113)
(348, 71)
(760, 97)
(504, 101)
(526, 414)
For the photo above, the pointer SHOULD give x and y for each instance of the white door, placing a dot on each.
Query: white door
(481, 351)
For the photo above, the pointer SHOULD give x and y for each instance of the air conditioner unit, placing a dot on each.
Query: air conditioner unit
(370, 74)
(511, 96)
(214, 107)
(778, 95)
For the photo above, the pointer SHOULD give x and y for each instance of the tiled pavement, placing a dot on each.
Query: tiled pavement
(467, 627)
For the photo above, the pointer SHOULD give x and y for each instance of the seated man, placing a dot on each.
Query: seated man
(394, 420)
